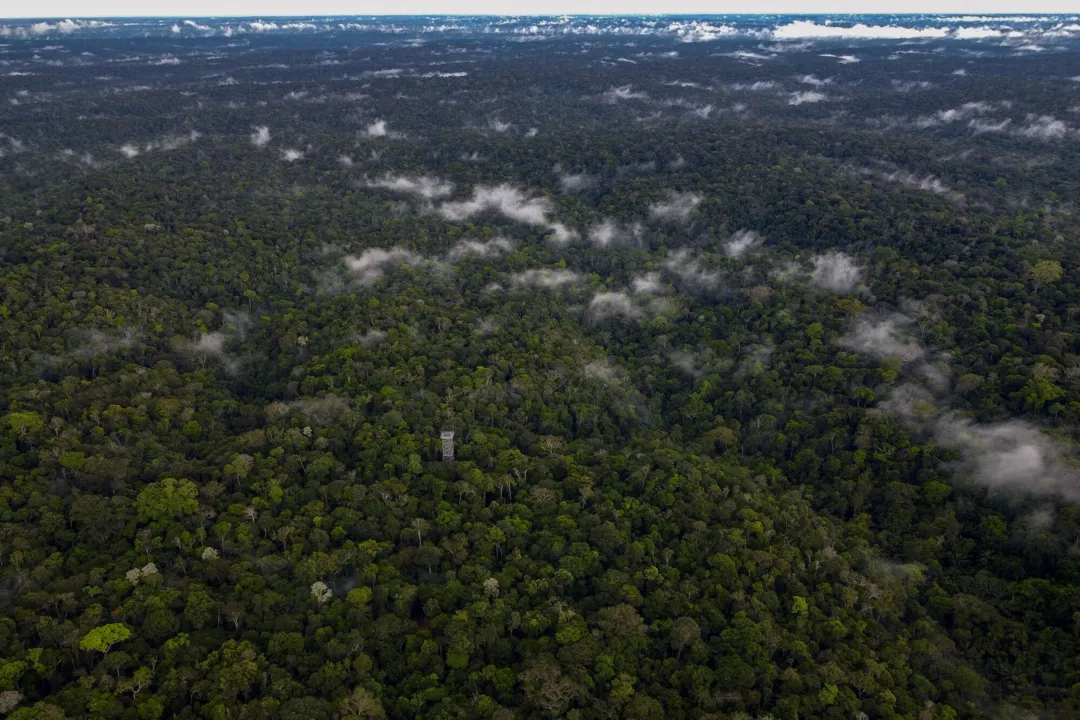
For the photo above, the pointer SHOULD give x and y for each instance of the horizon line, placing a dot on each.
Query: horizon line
(314, 16)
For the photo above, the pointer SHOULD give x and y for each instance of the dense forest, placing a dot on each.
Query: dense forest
(761, 355)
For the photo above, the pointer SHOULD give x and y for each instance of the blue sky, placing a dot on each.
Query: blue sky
(268, 8)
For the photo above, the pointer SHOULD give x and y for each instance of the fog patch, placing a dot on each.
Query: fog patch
(427, 187)
(377, 129)
(647, 284)
(911, 85)
(261, 136)
(677, 208)
(691, 270)
(291, 155)
(626, 92)
(960, 114)
(1043, 127)
(544, 278)
(842, 59)
(759, 86)
(987, 126)
(608, 232)
(613, 305)
(742, 242)
(808, 96)
(1010, 456)
(372, 264)
(928, 183)
(510, 202)
(886, 337)
(371, 338)
(475, 248)
(835, 271)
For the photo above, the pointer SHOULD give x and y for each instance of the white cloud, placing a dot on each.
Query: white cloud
(742, 242)
(980, 126)
(759, 86)
(211, 343)
(1044, 127)
(815, 81)
(965, 112)
(678, 207)
(808, 96)
(835, 271)
(509, 201)
(613, 304)
(802, 29)
(691, 269)
(491, 248)
(545, 278)
(373, 262)
(427, 187)
(128, 150)
(261, 136)
(371, 338)
(626, 92)
(648, 284)
(575, 183)
(377, 129)
(291, 155)
(843, 59)
(1012, 456)
(499, 126)
(885, 337)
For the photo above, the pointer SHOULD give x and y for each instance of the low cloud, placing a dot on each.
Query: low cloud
(1012, 456)
(573, 183)
(510, 202)
(475, 248)
(649, 284)
(742, 242)
(677, 208)
(261, 136)
(291, 155)
(544, 278)
(626, 92)
(759, 86)
(835, 271)
(960, 114)
(373, 263)
(980, 126)
(169, 142)
(210, 344)
(1043, 127)
(691, 270)
(613, 305)
(371, 338)
(808, 96)
(427, 187)
(885, 337)
(928, 183)
(911, 85)
(377, 129)
(608, 232)
(815, 81)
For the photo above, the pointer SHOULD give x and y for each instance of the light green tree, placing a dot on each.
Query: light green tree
(101, 639)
